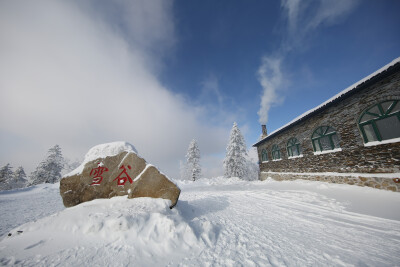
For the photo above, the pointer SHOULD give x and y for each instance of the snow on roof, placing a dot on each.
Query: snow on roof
(103, 151)
(332, 99)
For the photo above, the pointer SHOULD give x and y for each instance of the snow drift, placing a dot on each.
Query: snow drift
(217, 222)
(145, 226)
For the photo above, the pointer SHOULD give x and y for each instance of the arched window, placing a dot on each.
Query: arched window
(264, 155)
(276, 153)
(293, 147)
(381, 121)
(325, 138)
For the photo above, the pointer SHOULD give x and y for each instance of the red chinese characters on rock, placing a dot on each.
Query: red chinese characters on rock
(97, 174)
(123, 177)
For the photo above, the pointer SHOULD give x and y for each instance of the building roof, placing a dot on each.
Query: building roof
(378, 75)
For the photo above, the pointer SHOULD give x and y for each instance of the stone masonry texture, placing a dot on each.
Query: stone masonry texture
(354, 157)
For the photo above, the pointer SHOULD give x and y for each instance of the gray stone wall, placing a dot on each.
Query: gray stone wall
(391, 184)
(354, 157)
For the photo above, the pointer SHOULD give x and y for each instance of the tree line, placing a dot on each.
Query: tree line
(236, 163)
(49, 170)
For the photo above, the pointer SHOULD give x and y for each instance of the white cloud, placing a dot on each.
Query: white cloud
(211, 90)
(78, 74)
(293, 9)
(331, 12)
(303, 18)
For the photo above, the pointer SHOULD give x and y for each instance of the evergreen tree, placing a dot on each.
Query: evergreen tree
(192, 169)
(6, 176)
(20, 180)
(235, 162)
(49, 170)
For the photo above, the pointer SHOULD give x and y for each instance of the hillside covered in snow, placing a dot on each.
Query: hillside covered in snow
(217, 222)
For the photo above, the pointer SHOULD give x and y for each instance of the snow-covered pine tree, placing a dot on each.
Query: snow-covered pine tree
(235, 162)
(6, 176)
(49, 170)
(193, 169)
(20, 180)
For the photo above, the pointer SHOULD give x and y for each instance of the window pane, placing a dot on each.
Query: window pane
(317, 133)
(325, 143)
(367, 117)
(375, 110)
(275, 154)
(335, 140)
(370, 133)
(330, 130)
(295, 152)
(386, 105)
(290, 143)
(396, 108)
(264, 155)
(316, 145)
(389, 127)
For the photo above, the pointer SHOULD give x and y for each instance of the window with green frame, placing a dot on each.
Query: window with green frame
(381, 121)
(264, 155)
(293, 147)
(276, 153)
(325, 138)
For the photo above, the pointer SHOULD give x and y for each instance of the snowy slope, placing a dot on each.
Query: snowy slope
(20, 206)
(217, 222)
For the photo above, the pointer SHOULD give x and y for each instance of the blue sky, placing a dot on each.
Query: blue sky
(160, 73)
(225, 42)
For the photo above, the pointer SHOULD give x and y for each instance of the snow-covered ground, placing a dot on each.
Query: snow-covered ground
(217, 222)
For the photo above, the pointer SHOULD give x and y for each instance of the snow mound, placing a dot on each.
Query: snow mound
(144, 224)
(108, 149)
(217, 222)
(103, 151)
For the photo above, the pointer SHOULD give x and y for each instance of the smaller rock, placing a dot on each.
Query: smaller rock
(152, 183)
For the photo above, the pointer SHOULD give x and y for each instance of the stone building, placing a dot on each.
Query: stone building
(353, 138)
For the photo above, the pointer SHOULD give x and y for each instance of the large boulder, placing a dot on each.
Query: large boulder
(115, 169)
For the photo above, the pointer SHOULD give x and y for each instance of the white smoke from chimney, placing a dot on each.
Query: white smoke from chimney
(303, 18)
(270, 77)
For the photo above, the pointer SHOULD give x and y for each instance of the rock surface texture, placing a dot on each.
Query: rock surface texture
(115, 169)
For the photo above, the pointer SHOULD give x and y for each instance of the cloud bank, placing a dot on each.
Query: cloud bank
(303, 18)
(80, 73)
